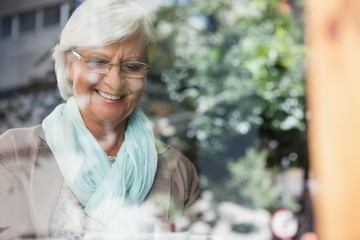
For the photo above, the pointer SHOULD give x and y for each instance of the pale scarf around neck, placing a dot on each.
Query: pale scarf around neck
(103, 189)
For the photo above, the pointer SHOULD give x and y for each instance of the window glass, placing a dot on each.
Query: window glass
(27, 21)
(6, 26)
(52, 16)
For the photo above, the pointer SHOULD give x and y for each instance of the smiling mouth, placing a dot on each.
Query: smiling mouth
(108, 96)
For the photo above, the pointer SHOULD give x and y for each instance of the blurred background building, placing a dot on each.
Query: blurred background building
(29, 30)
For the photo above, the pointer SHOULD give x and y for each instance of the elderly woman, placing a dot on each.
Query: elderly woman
(93, 164)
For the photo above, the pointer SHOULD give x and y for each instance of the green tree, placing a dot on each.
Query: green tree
(238, 66)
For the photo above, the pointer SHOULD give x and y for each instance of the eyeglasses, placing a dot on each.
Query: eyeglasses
(103, 66)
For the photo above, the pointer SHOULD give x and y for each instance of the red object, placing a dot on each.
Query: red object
(284, 224)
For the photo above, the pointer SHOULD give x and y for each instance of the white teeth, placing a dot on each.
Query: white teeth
(108, 96)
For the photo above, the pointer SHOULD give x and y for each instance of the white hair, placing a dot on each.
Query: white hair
(97, 23)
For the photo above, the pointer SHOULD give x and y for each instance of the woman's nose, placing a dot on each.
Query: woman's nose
(115, 78)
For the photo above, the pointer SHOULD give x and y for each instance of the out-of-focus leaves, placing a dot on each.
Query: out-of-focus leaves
(239, 66)
(252, 184)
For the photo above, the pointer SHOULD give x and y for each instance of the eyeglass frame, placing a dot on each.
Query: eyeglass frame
(109, 65)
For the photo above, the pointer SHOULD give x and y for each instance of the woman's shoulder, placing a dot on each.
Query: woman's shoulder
(173, 158)
(28, 133)
(20, 141)
(183, 174)
(180, 168)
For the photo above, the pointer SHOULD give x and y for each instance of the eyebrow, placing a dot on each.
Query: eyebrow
(91, 54)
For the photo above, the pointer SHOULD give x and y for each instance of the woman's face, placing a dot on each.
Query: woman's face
(109, 97)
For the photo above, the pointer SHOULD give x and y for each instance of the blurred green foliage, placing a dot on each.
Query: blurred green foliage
(238, 66)
(252, 184)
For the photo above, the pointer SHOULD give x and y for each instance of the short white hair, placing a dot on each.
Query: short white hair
(97, 23)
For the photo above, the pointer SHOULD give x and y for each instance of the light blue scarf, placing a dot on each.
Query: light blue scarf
(103, 189)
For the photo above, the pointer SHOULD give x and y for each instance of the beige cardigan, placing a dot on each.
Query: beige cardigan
(30, 183)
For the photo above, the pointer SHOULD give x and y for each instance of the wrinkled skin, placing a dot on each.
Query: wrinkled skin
(105, 116)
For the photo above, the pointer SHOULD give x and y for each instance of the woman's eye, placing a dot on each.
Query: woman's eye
(98, 62)
(131, 67)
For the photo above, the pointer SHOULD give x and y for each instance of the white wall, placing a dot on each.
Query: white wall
(25, 58)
